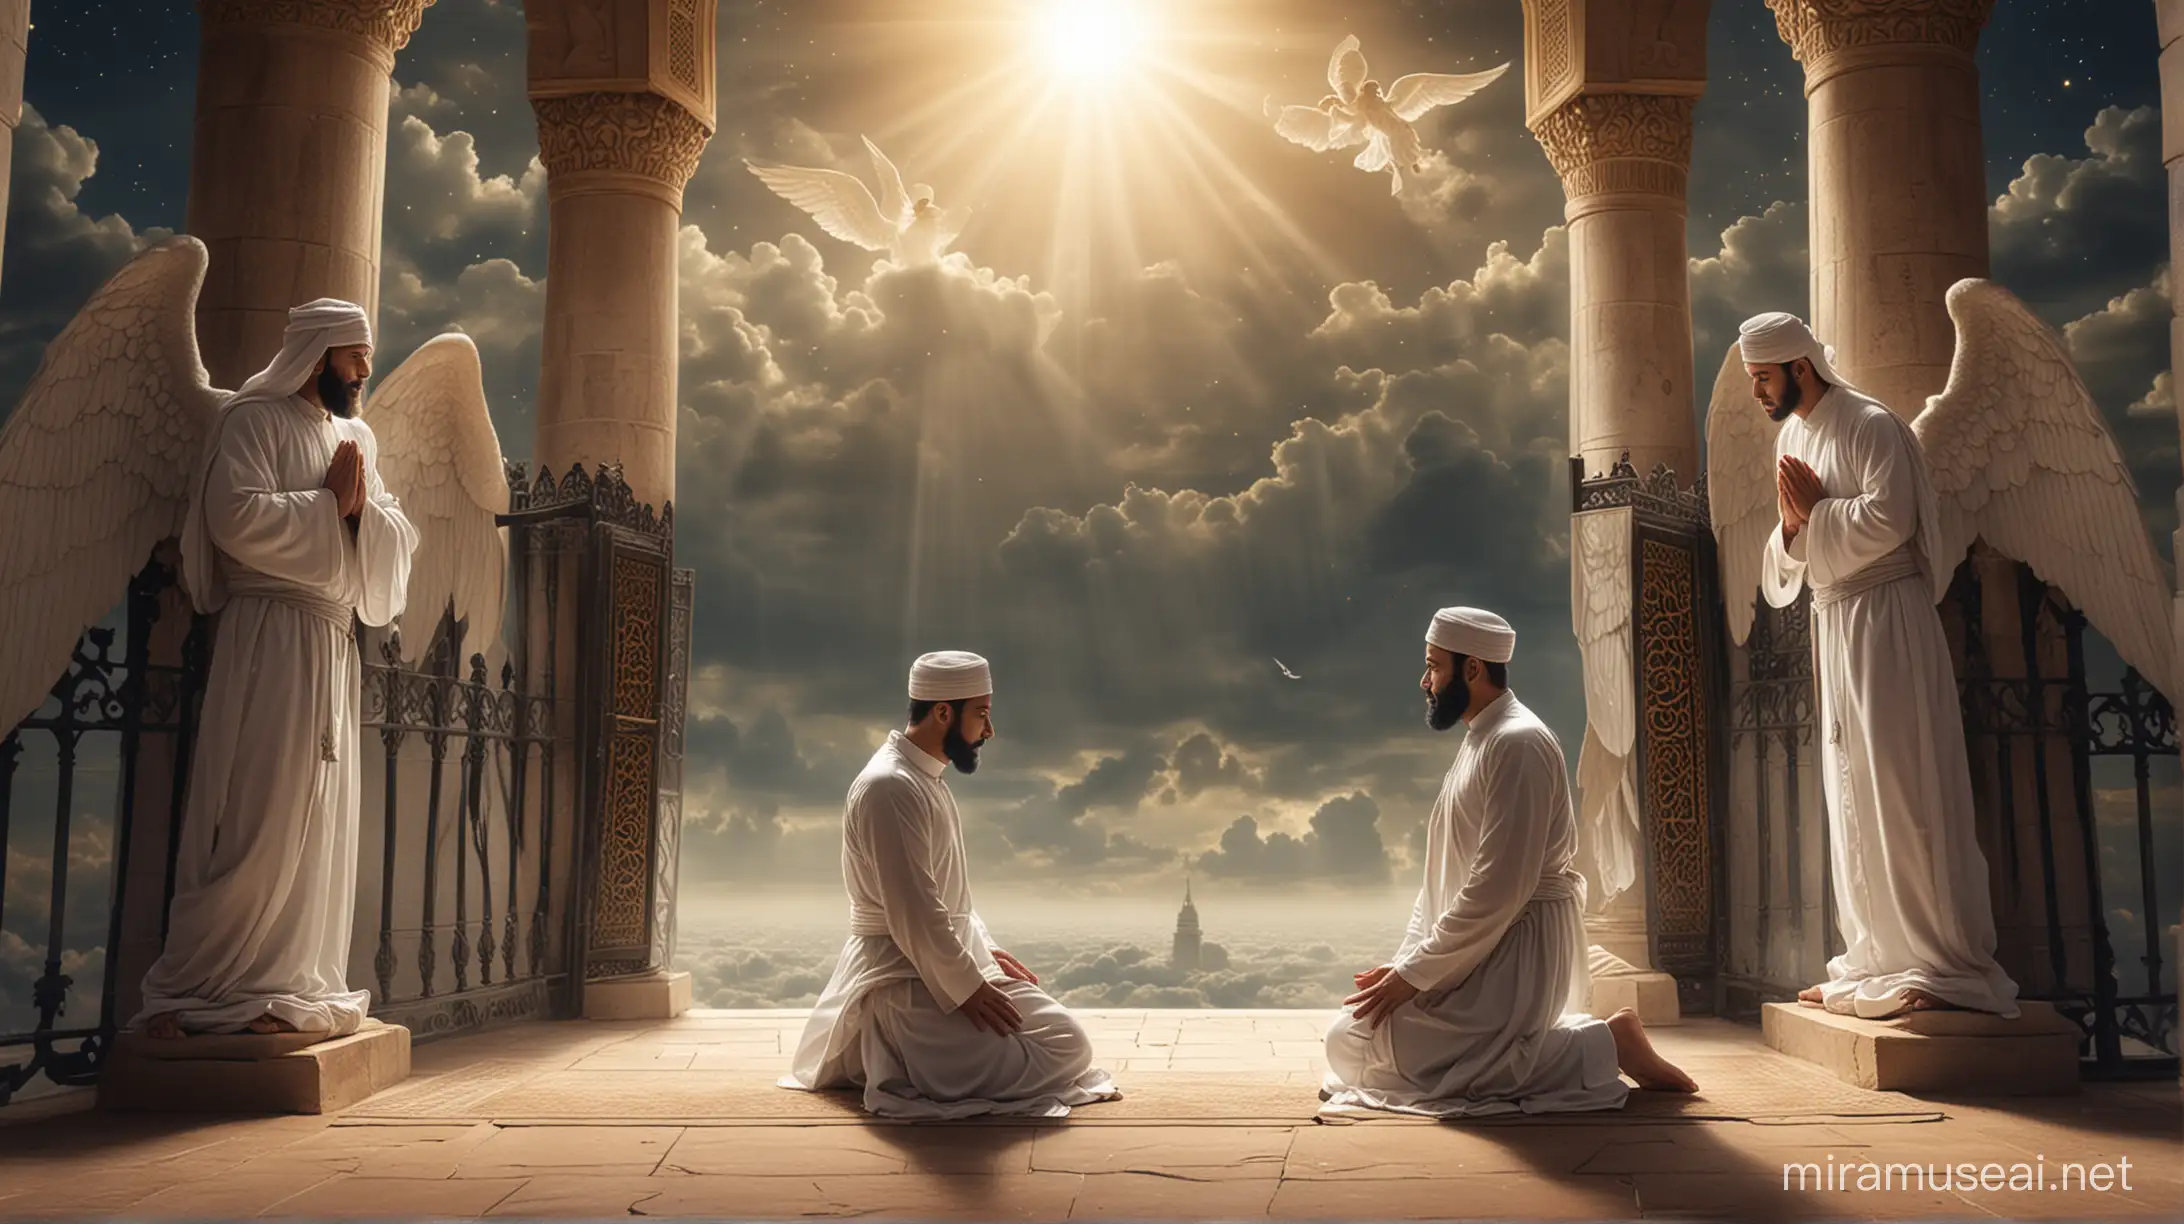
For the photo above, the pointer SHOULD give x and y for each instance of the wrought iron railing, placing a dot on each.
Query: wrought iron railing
(113, 698)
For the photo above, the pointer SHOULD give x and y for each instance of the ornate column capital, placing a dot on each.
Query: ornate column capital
(1617, 147)
(618, 142)
(1818, 30)
(386, 24)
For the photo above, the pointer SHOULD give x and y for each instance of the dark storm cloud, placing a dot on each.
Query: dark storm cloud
(2074, 230)
(1343, 843)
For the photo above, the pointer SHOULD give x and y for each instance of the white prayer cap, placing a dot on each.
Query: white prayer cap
(1779, 338)
(313, 328)
(1473, 631)
(949, 675)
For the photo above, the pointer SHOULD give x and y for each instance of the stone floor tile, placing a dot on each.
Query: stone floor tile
(525, 1151)
(1487, 1196)
(821, 1151)
(1386, 1149)
(1198, 1153)
(1020, 1196)
(1140, 1196)
(395, 1198)
(728, 1058)
(564, 1195)
(228, 1195)
(652, 1059)
(383, 1151)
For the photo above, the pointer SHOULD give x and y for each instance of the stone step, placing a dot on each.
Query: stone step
(274, 1073)
(1956, 1053)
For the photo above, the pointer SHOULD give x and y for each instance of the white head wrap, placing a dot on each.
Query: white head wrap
(313, 328)
(1473, 631)
(949, 675)
(1778, 338)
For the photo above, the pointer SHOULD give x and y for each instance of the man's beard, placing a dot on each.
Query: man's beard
(962, 753)
(338, 396)
(1787, 403)
(1445, 708)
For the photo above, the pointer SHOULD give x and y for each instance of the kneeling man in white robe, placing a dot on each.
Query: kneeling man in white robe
(1480, 1011)
(292, 539)
(923, 1012)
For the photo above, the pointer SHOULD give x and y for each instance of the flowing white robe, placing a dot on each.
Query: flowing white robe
(887, 1021)
(1496, 947)
(1910, 882)
(265, 876)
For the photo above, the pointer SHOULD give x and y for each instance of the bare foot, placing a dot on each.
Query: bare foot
(270, 1023)
(1919, 1000)
(1810, 997)
(1635, 1054)
(166, 1026)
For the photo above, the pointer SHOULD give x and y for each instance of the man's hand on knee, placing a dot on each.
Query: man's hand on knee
(991, 1010)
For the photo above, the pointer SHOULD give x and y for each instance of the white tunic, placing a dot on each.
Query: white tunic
(1496, 946)
(917, 949)
(265, 877)
(1910, 883)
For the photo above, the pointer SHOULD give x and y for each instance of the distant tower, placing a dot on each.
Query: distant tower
(1188, 939)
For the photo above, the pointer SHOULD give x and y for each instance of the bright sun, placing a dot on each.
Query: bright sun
(1091, 39)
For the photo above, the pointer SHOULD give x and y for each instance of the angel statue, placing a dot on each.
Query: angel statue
(1358, 113)
(295, 523)
(907, 225)
(1875, 513)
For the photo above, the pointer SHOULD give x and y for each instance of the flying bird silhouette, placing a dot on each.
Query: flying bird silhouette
(1285, 670)
(1359, 113)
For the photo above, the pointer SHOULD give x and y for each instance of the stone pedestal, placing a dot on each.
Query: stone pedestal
(288, 167)
(1898, 181)
(298, 1073)
(652, 996)
(623, 92)
(1617, 984)
(14, 42)
(1946, 1052)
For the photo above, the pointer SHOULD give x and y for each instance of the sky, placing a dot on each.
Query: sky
(1194, 398)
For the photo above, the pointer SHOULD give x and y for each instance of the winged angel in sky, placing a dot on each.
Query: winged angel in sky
(101, 450)
(1358, 113)
(907, 225)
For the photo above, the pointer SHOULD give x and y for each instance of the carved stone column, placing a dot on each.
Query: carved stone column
(14, 42)
(2169, 16)
(1624, 159)
(623, 91)
(1609, 92)
(288, 168)
(1898, 181)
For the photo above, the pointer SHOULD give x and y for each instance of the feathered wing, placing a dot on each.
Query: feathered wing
(894, 202)
(1314, 128)
(1740, 488)
(952, 221)
(2019, 454)
(840, 204)
(1412, 96)
(1346, 69)
(95, 463)
(440, 457)
(1600, 609)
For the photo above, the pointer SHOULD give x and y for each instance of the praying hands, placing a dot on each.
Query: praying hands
(1797, 491)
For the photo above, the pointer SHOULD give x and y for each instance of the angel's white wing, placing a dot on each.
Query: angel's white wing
(96, 461)
(1314, 128)
(894, 201)
(1740, 487)
(1376, 155)
(1346, 69)
(439, 457)
(1412, 96)
(952, 221)
(2020, 455)
(840, 204)
(1600, 609)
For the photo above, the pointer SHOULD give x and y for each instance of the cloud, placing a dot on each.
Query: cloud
(57, 255)
(2071, 232)
(1343, 843)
